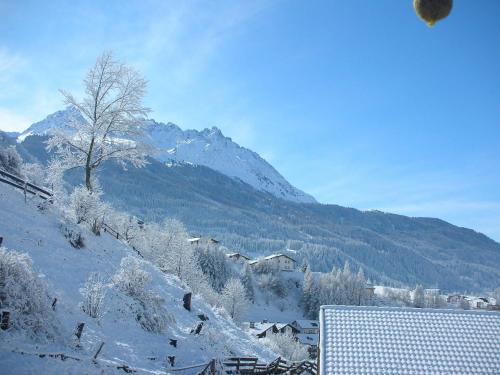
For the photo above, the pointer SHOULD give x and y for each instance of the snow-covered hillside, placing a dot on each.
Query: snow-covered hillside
(27, 229)
(208, 147)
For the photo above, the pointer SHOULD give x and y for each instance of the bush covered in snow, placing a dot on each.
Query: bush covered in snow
(133, 279)
(24, 294)
(93, 295)
(287, 346)
(73, 234)
(86, 207)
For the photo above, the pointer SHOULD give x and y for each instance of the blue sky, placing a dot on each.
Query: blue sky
(356, 102)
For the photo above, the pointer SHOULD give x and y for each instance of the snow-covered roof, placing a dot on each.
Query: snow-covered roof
(308, 338)
(194, 239)
(307, 324)
(272, 256)
(406, 341)
(231, 255)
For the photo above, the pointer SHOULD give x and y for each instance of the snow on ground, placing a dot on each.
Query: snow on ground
(65, 270)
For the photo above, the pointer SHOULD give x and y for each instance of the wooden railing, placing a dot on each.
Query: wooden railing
(27, 187)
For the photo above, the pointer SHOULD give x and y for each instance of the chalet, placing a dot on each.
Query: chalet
(237, 257)
(306, 326)
(410, 341)
(455, 298)
(370, 290)
(280, 262)
(194, 240)
(286, 328)
(479, 303)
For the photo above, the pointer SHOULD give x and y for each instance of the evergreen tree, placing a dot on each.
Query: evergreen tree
(247, 281)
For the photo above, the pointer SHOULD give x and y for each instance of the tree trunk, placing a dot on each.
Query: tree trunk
(88, 167)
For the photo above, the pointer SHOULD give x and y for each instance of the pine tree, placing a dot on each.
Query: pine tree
(247, 281)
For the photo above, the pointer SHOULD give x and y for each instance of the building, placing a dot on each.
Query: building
(407, 341)
(287, 328)
(238, 257)
(306, 326)
(280, 262)
(455, 298)
(194, 240)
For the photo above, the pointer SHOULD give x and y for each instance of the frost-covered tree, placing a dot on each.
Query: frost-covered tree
(418, 297)
(10, 160)
(113, 120)
(287, 346)
(93, 294)
(247, 281)
(132, 278)
(433, 300)
(307, 290)
(234, 299)
(24, 294)
(34, 173)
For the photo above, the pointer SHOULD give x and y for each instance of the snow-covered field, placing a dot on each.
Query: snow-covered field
(65, 270)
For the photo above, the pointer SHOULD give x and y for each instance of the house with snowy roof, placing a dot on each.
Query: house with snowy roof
(306, 326)
(357, 340)
(280, 262)
(237, 257)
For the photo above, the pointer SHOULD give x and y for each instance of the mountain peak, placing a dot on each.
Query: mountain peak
(208, 147)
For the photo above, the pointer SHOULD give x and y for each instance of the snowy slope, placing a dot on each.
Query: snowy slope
(208, 147)
(66, 269)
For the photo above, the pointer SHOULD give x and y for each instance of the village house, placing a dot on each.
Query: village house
(306, 326)
(402, 340)
(237, 257)
(196, 241)
(455, 298)
(280, 262)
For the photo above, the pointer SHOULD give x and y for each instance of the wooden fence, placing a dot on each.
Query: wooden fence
(27, 187)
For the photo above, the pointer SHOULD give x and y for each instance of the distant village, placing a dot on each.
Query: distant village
(305, 331)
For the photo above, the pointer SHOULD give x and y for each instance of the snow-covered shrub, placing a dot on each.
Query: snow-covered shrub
(94, 293)
(10, 160)
(24, 294)
(86, 207)
(234, 299)
(151, 314)
(287, 346)
(73, 234)
(132, 279)
(34, 173)
(418, 296)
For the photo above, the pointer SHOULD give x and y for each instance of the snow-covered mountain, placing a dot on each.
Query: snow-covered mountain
(208, 147)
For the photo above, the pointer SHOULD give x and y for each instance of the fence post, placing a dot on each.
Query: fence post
(187, 301)
(98, 350)
(4, 324)
(79, 330)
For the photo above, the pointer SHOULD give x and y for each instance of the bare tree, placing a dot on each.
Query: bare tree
(113, 113)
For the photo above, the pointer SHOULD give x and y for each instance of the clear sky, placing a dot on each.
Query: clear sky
(356, 101)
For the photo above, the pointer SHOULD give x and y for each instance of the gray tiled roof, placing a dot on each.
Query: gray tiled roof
(405, 341)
